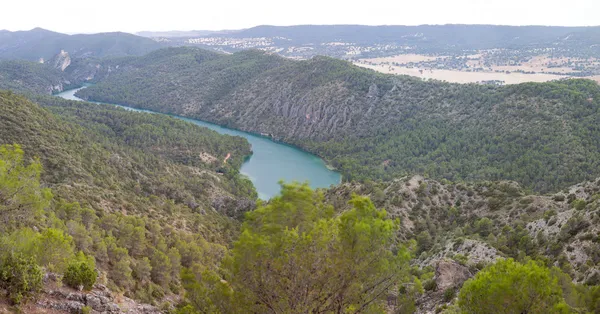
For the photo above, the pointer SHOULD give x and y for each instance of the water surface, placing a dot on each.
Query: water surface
(270, 162)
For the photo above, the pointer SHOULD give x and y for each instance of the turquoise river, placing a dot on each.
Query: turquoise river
(270, 161)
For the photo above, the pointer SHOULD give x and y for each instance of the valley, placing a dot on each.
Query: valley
(301, 169)
(269, 163)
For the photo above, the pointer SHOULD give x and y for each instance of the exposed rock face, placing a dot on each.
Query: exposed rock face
(99, 300)
(61, 61)
(449, 274)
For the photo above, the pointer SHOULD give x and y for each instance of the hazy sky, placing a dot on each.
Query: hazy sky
(87, 16)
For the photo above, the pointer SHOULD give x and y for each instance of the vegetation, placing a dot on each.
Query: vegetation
(295, 255)
(25, 76)
(102, 194)
(19, 276)
(510, 287)
(146, 205)
(372, 126)
(81, 273)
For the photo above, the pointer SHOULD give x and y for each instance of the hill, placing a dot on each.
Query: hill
(130, 190)
(458, 228)
(375, 126)
(42, 44)
(26, 76)
(143, 204)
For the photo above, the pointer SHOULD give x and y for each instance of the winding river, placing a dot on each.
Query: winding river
(270, 161)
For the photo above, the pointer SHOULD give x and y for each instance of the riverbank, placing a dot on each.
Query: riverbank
(271, 160)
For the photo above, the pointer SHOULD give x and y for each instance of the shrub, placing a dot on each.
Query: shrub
(80, 273)
(449, 294)
(461, 259)
(20, 276)
(430, 285)
(579, 204)
(549, 214)
(511, 287)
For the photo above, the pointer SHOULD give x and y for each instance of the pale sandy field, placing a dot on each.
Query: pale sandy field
(465, 77)
(402, 59)
(539, 64)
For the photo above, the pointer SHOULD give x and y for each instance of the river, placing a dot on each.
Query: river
(270, 161)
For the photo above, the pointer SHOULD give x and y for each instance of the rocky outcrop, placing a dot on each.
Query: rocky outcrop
(61, 61)
(99, 300)
(450, 274)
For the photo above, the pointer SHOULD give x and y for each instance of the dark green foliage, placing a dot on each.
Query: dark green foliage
(277, 263)
(20, 276)
(578, 204)
(80, 273)
(24, 76)
(449, 294)
(374, 126)
(430, 285)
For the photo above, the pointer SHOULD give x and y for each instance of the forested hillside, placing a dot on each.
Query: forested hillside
(375, 126)
(25, 76)
(138, 195)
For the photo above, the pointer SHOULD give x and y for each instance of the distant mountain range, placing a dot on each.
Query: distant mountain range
(305, 41)
(43, 44)
(373, 41)
(175, 34)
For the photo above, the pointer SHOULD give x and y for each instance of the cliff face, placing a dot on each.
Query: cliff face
(61, 61)
(24, 76)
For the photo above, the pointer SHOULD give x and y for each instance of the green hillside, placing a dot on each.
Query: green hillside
(126, 188)
(376, 126)
(25, 76)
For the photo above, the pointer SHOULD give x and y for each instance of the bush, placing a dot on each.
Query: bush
(20, 276)
(449, 294)
(579, 204)
(511, 287)
(80, 273)
(461, 259)
(430, 285)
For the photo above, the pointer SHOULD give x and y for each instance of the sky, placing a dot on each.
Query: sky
(85, 16)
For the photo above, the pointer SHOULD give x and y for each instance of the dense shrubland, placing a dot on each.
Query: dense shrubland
(100, 194)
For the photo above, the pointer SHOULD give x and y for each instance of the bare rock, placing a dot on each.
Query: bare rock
(449, 274)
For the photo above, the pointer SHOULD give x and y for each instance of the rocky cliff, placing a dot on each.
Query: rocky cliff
(61, 61)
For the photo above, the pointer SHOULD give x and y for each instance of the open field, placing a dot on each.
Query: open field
(463, 76)
(486, 66)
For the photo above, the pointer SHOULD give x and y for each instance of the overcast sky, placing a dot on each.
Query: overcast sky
(86, 16)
